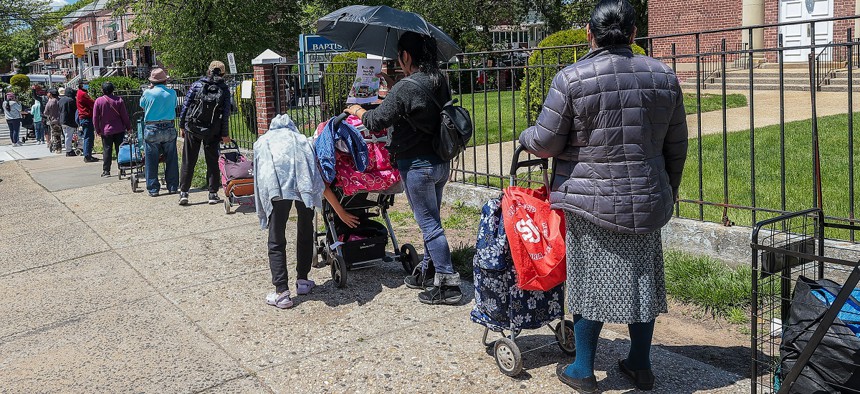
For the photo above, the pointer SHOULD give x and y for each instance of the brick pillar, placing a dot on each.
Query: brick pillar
(264, 96)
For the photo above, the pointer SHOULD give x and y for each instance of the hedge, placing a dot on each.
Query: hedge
(544, 64)
(339, 76)
(120, 84)
(20, 81)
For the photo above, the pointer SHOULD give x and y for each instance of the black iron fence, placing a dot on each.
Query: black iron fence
(750, 114)
(243, 111)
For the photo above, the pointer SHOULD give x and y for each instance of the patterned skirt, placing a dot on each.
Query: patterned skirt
(613, 277)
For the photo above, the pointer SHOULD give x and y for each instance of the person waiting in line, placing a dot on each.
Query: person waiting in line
(51, 119)
(38, 127)
(424, 173)
(159, 135)
(68, 108)
(204, 120)
(111, 122)
(85, 105)
(13, 112)
(615, 124)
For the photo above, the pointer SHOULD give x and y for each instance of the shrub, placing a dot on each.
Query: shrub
(20, 81)
(339, 76)
(459, 81)
(544, 64)
(121, 84)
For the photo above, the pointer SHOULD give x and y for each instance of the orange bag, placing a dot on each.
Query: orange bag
(536, 238)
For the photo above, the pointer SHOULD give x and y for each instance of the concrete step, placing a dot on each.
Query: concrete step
(838, 88)
(758, 80)
(767, 74)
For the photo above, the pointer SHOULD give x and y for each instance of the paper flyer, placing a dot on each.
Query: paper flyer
(365, 87)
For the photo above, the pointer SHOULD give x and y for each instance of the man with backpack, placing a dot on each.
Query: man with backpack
(204, 120)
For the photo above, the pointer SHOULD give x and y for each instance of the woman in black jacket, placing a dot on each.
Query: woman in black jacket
(416, 120)
(615, 124)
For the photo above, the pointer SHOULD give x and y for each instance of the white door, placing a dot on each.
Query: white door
(801, 34)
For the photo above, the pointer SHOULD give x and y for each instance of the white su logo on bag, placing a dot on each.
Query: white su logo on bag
(528, 230)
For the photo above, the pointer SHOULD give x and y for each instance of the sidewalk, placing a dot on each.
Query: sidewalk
(106, 290)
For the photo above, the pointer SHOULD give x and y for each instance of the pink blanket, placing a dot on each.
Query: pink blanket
(380, 175)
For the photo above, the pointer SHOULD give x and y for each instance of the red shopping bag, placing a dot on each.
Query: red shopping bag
(536, 237)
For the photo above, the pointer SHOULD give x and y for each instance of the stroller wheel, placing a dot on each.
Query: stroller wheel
(338, 271)
(568, 345)
(508, 357)
(408, 258)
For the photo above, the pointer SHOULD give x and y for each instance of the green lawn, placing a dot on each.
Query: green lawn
(798, 170)
(499, 116)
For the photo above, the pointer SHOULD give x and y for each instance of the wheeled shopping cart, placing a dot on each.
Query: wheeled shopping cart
(500, 305)
(805, 320)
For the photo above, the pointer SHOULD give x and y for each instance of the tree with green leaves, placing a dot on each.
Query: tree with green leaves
(187, 35)
(21, 26)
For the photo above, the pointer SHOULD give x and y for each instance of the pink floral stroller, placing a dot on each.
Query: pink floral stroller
(367, 195)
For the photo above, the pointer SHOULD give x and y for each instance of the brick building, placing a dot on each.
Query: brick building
(107, 39)
(687, 16)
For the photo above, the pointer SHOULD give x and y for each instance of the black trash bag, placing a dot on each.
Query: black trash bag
(835, 365)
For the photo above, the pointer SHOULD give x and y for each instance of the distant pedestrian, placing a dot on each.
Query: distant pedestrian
(204, 120)
(111, 122)
(51, 119)
(36, 110)
(85, 105)
(68, 108)
(13, 113)
(159, 136)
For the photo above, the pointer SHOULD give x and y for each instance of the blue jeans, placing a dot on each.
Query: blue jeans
(14, 129)
(424, 190)
(40, 131)
(88, 131)
(160, 139)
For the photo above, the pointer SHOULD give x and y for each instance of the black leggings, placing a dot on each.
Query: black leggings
(304, 242)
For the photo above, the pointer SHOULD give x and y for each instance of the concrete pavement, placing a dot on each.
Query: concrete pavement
(112, 291)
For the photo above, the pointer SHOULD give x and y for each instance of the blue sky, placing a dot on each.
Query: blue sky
(60, 3)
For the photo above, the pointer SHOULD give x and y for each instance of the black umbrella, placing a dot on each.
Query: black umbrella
(376, 29)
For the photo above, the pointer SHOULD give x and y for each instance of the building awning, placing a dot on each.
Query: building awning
(64, 56)
(117, 45)
(96, 47)
(35, 62)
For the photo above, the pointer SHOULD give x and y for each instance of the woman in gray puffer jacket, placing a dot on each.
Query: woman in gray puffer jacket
(615, 124)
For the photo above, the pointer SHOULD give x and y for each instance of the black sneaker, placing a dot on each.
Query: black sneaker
(183, 198)
(448, 295)
(421, 279)
(105, 174)
(214, 199)
(71, 154)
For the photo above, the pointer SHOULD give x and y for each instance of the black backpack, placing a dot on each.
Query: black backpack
(455, 130)
(204, 113)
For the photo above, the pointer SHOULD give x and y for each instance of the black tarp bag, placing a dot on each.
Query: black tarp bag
(835, 365)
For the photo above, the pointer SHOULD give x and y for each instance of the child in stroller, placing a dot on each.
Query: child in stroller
(353, 198)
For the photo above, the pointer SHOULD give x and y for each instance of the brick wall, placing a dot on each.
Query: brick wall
(686, 16)
(264, 92)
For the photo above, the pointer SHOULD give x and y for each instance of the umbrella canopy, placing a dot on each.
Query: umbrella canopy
(376, 29)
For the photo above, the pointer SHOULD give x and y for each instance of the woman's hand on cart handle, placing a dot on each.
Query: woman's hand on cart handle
(347, 218)
(355, 110)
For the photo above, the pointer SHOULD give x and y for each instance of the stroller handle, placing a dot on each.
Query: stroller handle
(516, 164)
(340, 118)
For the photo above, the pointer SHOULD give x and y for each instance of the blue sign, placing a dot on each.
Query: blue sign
(314, 43)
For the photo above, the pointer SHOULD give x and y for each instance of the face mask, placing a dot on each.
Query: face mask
(86, 87)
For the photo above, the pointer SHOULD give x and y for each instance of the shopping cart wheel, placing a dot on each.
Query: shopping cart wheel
(508, 357)
(338, 271)
(227, 205)
(568, 345)
(133, 183)
(408, 258)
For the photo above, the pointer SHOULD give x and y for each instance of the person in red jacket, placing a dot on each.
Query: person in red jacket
(85, 105)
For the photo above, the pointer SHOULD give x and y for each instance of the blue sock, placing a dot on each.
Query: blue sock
(586, 333)
(639, 357)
